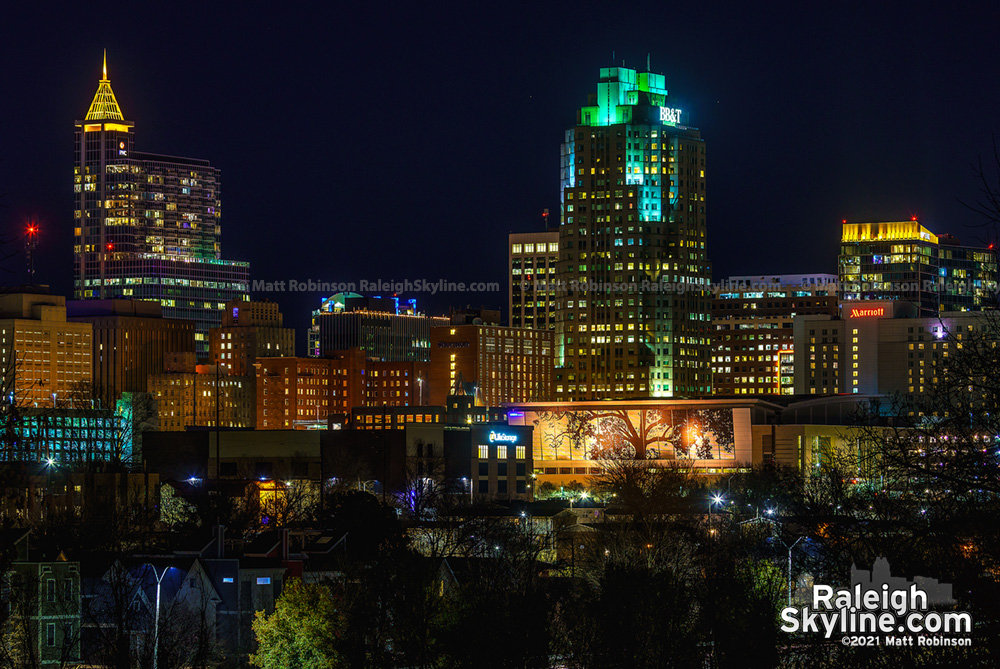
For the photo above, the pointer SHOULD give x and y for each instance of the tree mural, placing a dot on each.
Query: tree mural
(642, 434)
(708, 434)
(592, 435)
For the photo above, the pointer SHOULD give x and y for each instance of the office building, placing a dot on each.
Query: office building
(47, 360)
(189, 395)
(503, 364)
(303, 393)
(752, 316)
(384, 328)
(130, 340)
(148, 226)
(484, 460)
(71, 435)
(250, 330)
(532, 258)
(904, 261)
(634, 308)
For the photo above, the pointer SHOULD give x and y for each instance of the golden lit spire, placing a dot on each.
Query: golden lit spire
(105, 106)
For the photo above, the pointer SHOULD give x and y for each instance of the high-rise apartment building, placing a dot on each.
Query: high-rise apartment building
(752, 317)
(46, 359)
(904, 261)
(633, 308)
(532, 258)
(147, 226)
(250, 330)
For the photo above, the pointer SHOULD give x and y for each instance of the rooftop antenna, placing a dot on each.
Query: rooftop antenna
(30, 242)
(545, 218)
(647, 63)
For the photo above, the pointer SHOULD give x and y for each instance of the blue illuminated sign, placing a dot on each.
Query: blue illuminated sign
(502, 437)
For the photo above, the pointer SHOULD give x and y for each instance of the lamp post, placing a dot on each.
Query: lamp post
(790, 568)
(156, 624)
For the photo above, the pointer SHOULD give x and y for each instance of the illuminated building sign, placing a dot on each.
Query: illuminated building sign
(867, 313)
(668, 115)
(502, 437)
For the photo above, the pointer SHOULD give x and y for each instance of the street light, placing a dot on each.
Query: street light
(790, 568)
(156, 628)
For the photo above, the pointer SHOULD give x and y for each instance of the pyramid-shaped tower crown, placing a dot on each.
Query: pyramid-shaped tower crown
(105, 106)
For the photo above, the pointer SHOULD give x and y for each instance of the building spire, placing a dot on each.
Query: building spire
(105, 106)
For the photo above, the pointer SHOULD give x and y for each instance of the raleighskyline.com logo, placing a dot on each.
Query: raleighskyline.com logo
(879, 609)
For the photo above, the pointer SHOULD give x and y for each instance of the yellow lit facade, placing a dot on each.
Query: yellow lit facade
(47, 361)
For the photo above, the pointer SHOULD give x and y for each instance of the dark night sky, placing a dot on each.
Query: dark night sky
(406, 141)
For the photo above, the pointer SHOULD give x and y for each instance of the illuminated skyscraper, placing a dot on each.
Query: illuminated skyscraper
(147, 226)
(634, 308)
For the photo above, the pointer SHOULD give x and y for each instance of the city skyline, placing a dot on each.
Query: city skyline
(854, 117)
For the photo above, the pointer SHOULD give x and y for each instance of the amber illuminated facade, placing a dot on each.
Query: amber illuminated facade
(634, 307)
(502, 364)
(148, 226)
(46, 359)
(189, 395)
(304, 392)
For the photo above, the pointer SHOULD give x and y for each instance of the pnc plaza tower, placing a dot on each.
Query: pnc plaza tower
(148, 226)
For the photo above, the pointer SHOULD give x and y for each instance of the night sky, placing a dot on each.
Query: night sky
(401, 142)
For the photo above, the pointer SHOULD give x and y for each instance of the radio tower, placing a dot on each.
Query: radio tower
(30, 242)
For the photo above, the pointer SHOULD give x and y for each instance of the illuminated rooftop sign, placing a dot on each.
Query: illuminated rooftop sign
(873, 312)
(502, 438)
(668, 115)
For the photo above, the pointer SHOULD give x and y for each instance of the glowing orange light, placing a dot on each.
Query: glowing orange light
(913, 218)
(845, 220)
(110, 246)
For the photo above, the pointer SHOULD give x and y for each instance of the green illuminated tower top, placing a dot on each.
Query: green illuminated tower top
(625, 96)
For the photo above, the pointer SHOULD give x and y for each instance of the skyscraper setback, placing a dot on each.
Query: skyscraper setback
(147, 226)
(633, 312)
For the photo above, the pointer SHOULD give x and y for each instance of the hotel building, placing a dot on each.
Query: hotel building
(148, 226)
(633, 317)
(302, 393)
(880, 348)
(384, 328)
